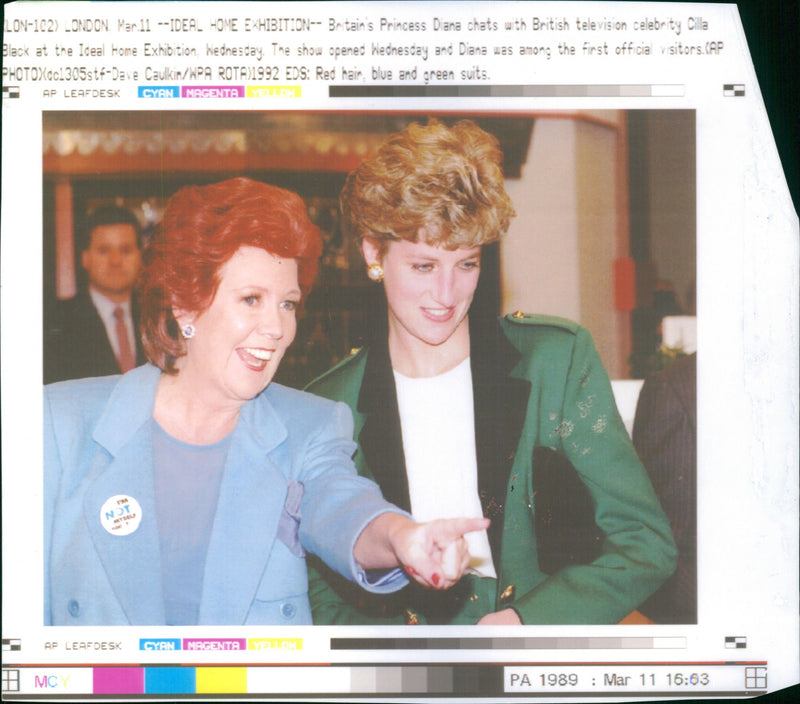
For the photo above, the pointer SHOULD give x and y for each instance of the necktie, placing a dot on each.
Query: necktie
(125, 357)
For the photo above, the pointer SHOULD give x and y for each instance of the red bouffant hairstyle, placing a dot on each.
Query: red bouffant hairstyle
(202, 228)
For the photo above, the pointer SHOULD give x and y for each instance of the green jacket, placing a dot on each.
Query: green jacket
(538, 382)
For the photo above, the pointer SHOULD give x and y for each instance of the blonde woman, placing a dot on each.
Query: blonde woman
(457, 415)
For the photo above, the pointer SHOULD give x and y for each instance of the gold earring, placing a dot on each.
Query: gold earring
(375, 272)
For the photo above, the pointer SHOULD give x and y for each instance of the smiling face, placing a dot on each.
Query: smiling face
(429, 290)
(241, 337)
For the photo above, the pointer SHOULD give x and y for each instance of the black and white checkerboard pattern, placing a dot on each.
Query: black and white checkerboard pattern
(735, 641)
(733, 90)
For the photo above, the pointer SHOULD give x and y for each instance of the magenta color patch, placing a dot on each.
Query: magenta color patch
(118, 680)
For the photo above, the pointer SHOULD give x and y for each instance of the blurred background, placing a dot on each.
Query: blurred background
(605, 232)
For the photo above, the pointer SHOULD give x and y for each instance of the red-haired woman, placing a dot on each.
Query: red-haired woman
(188, 490)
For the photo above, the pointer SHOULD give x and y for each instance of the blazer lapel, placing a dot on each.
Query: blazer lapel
(130, 561)
(90, 340)
(141, 357)
(252, 495)
(381, 438)
(500, 404)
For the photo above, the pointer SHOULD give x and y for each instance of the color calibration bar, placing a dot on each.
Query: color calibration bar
(582, 643)
(541, 91)
(392, 680)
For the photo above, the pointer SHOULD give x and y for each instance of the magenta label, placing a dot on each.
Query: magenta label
(212, 91)
(215, 644)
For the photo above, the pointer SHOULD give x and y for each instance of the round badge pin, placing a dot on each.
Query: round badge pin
(121, 515)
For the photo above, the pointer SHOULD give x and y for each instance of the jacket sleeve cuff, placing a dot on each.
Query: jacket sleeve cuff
(383, 581)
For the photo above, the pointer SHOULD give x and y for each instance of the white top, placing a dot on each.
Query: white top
(438, 426)
(105, 309)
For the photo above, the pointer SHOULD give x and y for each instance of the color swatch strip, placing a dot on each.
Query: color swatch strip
(576, 643)
(505, 91)
(228, 681)
(169, 680)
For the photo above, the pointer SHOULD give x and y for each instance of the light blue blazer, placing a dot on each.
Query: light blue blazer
(287, 447)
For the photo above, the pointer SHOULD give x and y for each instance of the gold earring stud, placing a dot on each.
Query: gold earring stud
(375, 272)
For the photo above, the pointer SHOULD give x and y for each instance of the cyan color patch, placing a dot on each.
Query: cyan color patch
(170, 680)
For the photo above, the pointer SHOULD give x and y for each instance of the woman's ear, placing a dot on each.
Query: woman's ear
(371, 250)
(183, 317)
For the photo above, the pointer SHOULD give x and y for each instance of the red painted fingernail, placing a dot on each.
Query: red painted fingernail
(410, 570)
(436, 579)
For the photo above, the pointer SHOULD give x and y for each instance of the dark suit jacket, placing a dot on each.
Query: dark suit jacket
(76, 344)
(537, 382)
(664, 434)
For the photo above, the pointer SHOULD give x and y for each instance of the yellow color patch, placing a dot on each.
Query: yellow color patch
(221, 680)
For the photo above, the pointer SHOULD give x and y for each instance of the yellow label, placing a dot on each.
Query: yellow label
(274, 643)
(273, 91)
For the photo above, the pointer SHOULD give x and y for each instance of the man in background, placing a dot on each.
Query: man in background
(96, 332)
(665, 436)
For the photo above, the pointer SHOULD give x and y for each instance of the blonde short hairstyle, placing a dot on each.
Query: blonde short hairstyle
(447, 180)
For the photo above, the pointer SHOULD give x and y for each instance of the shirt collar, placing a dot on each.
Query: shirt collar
(105, 306)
